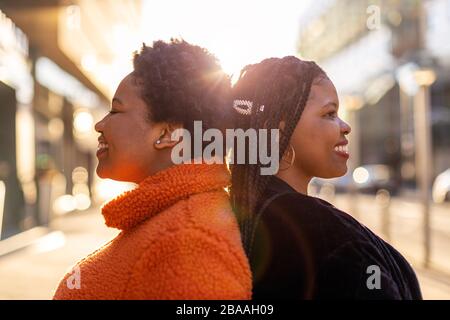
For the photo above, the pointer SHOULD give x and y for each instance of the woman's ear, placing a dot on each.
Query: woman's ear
(165, 138)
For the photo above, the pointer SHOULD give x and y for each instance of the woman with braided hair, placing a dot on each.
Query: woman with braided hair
(299, 246)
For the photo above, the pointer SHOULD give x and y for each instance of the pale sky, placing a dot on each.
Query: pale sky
(237, 32)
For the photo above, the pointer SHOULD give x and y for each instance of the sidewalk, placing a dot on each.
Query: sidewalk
(34, 272)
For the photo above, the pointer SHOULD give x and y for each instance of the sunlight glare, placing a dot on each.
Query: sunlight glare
(237, 32)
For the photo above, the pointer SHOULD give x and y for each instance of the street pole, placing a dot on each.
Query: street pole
(383, 199)
(352, 105)
(425, 78)
(2, 204)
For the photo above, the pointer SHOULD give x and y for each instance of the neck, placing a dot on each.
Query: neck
(296, 178)
(162, 163)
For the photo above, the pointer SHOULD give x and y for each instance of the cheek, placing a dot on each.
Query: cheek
(314, 145)
(316, 135)
(129, 143)
(304, 140)
(309, 147)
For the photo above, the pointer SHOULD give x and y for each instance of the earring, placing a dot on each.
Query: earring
(158, 141)
(292, 150)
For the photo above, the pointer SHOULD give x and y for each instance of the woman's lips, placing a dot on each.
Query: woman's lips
(101, 152)
(102, 148)
(342, 150)
(342, 154)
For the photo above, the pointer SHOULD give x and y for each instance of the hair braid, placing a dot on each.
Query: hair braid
(283, 87)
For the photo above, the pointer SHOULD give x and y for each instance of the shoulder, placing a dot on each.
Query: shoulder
(192, 241)
(346, 254)
(203, 220)
(357, 270)
(209, 212)
(192, 263)
(314, 218)
(308, 224)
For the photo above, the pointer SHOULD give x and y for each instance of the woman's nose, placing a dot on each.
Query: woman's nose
(99, 125)
(345, 128)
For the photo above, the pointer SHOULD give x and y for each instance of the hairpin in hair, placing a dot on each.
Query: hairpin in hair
(245, 107)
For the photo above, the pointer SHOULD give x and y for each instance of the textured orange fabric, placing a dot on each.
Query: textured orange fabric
(179, 240)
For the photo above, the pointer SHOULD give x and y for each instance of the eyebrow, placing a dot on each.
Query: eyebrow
(331, 104)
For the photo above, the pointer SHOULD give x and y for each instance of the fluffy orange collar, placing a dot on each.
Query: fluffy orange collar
(159, 191)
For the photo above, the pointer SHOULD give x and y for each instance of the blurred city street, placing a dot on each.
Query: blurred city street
(61, 62)
(35, 271)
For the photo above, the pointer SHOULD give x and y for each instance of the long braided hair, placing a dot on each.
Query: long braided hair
(282, 86)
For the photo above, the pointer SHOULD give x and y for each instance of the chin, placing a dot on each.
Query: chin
(342, 171)
(116, 176)
(336, 172)
(102, 173)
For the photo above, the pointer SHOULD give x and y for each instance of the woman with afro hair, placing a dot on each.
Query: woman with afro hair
(179, 237)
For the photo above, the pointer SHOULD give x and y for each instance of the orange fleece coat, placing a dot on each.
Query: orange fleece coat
(179, 240)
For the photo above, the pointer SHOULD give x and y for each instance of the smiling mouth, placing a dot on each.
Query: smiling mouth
(102, 148)
(342, 151)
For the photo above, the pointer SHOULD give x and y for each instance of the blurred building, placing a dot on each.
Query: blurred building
(368, 48)
(60, 62)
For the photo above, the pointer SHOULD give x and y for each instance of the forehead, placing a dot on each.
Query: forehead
(323, 89)
(128, 86)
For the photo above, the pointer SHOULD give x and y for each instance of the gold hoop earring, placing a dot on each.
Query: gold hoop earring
(292, 158)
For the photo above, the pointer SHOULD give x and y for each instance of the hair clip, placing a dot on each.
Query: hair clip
(245, 107)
